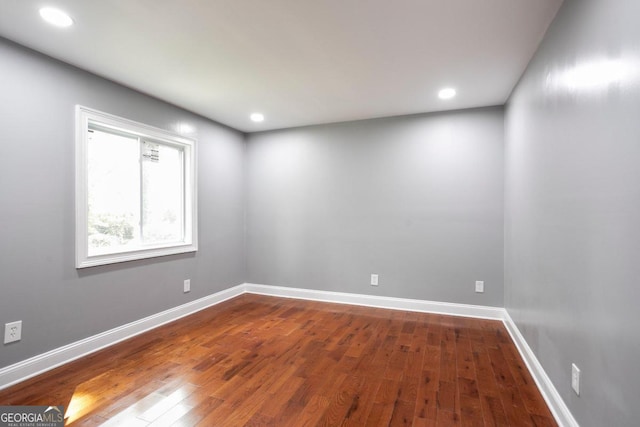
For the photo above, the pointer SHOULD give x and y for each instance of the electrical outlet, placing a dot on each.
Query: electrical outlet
(575, 378)
(187, 285)
(13, 331)
(374, 280)
(479, 286)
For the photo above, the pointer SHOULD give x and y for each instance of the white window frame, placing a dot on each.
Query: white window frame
(86, 115)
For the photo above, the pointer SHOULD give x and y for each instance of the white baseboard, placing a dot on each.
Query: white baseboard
(452, 309)
(557, 406)
(36, 365)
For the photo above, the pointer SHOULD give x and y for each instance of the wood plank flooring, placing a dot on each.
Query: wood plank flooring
(265, 361)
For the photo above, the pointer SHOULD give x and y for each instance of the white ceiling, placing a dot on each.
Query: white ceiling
(299, 62)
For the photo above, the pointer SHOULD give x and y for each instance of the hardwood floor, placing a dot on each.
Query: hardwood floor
(265, 361)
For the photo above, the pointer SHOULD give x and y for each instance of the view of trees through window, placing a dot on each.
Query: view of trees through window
(135, 192)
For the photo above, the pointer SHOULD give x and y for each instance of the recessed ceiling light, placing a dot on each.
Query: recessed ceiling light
(257, 117)
(56, 17)
(447, 93)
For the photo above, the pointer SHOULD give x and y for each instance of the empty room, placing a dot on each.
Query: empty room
(290, 213)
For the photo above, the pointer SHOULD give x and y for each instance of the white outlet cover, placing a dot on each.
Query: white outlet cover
(374, 280)
(575, 378)
(187, 285)
(13, 331)
(479, 286)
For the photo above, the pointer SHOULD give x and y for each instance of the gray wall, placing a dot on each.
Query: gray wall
(38, 281)
(416, 199)
(573, 207)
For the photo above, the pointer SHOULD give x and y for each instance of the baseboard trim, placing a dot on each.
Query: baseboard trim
(560, 411)
(452, 309)
(41, 363)
(558, 408)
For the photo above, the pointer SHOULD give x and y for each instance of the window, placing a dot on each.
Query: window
(135, 190)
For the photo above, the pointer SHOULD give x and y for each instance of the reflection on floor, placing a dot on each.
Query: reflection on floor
(265, 361)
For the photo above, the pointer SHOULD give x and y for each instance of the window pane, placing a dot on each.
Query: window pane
(162, 193)
(135, 191)
(113, 172)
